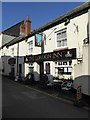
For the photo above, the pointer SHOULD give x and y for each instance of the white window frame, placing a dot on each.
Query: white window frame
(62, 39)
(31, 67)
(30, 46)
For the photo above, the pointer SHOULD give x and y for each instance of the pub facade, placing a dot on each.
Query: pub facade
(63, 51)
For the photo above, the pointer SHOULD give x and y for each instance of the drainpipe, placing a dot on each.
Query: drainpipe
(89, 53)
(89, 23)
(17, 57)
(17, 74)
(42, 63)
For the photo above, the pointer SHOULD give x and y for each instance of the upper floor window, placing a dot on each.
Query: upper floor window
(31, 46)
(62, 38)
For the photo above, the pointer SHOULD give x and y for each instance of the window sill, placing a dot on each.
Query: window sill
(61, 48)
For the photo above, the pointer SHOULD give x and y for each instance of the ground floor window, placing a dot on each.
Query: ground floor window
(47, 68)
(64, 70)
(31, 67)
(63, 67)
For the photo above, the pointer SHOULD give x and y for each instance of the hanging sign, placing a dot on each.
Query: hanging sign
(38, 39)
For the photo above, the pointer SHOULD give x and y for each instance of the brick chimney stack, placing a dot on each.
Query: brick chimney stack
(25, 28)
(22, 29)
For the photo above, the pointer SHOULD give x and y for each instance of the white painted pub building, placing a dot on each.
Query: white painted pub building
(65, 51)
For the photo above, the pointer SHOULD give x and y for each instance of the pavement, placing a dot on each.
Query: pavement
(23, 101)
(67, 96)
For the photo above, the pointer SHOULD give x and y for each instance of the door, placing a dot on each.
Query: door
(20, 69)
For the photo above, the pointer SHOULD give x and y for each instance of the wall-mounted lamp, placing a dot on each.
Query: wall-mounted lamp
(67, 21)
(86, 41)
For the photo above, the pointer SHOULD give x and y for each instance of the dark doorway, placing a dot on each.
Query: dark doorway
(20, 68)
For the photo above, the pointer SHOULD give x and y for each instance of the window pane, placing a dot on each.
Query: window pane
(30, 46)
(61, 38)
(65, 70)
(69, 69)
(47, 68)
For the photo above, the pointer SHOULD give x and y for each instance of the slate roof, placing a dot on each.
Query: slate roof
(14, 30)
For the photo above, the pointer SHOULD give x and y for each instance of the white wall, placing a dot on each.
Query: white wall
(74, 38)
(0, 44)
(89, 42)
(82, 68)
(23, 48)
(82, 71)
(50, 39)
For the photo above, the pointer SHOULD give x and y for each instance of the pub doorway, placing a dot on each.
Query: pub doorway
(20, 69)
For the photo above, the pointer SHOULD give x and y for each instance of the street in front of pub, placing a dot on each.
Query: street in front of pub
(23, 101)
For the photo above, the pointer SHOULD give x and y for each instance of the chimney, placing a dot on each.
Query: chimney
(27, 26)
(22, 29)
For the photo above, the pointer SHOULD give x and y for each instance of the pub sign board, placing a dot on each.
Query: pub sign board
(68, 54)
(38, 40)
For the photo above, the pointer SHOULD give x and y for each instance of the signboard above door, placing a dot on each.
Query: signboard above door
(67, 54)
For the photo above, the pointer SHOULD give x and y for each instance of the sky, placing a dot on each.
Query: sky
(39, 13)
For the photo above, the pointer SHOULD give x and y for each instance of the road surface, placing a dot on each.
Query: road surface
(20, 101)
